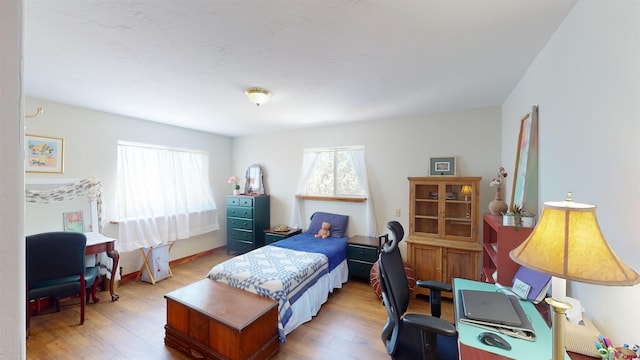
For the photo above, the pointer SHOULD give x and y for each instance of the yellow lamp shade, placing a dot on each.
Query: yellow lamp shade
(568, 243)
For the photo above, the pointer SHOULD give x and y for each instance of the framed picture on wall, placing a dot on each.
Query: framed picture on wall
(442, 166)
(44, 154)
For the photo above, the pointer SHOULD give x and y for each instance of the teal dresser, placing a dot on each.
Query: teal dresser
(247, 218)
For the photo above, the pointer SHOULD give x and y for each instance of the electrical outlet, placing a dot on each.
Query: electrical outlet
(397, 212)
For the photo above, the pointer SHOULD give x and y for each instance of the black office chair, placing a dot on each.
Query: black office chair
(55, 268)
(411, 336)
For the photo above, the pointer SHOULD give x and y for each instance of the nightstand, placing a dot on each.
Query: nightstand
(362, 253)
(271, 236)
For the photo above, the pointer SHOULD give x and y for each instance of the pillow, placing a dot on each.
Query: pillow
(338, 223)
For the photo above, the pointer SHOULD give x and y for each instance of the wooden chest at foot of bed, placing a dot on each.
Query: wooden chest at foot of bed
(211, 320)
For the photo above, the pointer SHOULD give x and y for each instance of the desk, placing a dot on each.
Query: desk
(98, 243)
(471, 349)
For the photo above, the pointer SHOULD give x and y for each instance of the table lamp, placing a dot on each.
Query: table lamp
(466, 191)
(567, 243)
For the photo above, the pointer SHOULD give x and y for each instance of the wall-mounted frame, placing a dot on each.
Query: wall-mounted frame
(44, 154)
(522, 168)
(442, 166)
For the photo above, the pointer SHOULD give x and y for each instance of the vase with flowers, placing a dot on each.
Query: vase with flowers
(498, 206)
(236, 186)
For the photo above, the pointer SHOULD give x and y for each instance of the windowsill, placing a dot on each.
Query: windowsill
(333, 198)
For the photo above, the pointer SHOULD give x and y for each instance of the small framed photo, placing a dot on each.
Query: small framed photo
(44, 154)
(442, 166)
(73, 221)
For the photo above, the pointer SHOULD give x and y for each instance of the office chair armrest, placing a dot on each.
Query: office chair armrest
(435, 285)
(435, 288)
(430, 323)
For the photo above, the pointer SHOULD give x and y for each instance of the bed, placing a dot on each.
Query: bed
(298, 272)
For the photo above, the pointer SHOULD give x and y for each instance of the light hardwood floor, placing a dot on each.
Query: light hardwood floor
(347, 326)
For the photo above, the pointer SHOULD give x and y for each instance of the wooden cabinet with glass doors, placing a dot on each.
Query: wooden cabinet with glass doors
(443, 238)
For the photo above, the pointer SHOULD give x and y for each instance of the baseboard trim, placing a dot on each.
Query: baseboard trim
(172, 263)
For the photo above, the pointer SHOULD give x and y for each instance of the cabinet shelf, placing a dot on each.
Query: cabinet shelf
(443, 231)
(497, 241)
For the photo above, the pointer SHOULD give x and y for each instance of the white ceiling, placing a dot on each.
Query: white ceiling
(188, 62)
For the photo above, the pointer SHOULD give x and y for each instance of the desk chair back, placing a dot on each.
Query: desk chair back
(409, 336)
(55, 268)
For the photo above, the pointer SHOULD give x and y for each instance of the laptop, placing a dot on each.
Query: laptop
(489, 306)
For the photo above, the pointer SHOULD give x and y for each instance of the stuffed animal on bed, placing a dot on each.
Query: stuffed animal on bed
(324, 231)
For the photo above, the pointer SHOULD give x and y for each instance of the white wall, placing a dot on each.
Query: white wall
(90, 140)
(587, 84)
(12, 301)
(395, 149)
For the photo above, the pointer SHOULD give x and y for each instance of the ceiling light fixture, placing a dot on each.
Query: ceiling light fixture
(258, 95)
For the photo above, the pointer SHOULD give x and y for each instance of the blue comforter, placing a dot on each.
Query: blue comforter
(335, 249)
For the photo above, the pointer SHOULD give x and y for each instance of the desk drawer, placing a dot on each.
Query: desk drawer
(364, 253)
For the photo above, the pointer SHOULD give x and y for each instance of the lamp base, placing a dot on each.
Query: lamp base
(557, 327)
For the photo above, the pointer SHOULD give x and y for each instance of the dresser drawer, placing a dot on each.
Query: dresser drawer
(240, 212)
(237, 234)
(239, 201)
(364, 253)
(239, 246)
(359, 269)
(238, 223)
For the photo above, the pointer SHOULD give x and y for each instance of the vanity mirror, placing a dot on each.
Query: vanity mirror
(253, 184)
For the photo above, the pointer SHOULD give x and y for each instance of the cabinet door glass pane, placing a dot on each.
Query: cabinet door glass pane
(425, 219)
(457, 210)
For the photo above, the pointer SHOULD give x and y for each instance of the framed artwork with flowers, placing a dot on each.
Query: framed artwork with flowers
(45, 154)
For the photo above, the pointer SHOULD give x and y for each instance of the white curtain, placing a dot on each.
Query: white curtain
(308, 163)
(359, 165)
(163, 195)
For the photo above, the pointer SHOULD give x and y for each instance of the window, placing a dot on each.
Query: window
(333, 174)
(163, 195)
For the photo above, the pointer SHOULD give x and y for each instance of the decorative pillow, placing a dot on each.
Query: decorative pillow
(338, 223)
(375, 281)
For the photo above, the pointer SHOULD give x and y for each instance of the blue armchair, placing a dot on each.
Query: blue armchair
(55, 268)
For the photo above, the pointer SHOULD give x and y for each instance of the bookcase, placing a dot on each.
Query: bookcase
(497, 242)
(443, 229)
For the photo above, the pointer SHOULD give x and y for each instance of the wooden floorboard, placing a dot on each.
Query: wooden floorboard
(347, 326)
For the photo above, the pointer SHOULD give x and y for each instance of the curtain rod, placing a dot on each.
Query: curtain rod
(160, 147)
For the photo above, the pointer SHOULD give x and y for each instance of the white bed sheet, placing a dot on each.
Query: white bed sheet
(309, 303)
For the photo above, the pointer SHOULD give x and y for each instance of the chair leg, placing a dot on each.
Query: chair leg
(83, 296)
(94, 290)
(28, 317)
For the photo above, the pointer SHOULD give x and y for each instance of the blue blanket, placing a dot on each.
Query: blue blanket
(335, 249)
(277, 273)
